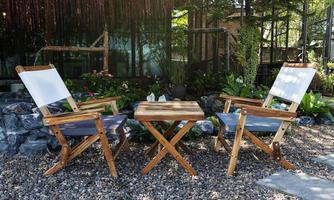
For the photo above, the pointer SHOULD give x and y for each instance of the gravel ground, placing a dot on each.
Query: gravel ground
(88, 178)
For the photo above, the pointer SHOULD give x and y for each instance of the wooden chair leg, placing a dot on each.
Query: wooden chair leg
(236, 144)
(217, 144)
(220, 141)
(126, 145)
(106, 148)
(82, 146)
(64, 153)
(122, 144)
(280, 133)
(284, 163)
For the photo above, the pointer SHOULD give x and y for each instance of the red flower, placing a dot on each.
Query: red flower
(91, 94)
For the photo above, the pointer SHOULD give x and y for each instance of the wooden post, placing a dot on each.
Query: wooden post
(272, 33)
(106, 50)
(328, 40)
(261, 40)
(287, 38)
(190, 38)
(304, 30)
(241, 2)
(227, 50)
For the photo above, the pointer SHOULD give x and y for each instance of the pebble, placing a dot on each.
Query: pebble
(87, 177)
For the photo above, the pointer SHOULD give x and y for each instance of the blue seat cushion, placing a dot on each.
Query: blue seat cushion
(253, 123)
(111, 123)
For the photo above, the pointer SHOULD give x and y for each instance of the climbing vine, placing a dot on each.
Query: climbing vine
(247, 53)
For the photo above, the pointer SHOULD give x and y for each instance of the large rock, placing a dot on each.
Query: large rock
(53, 143)
(53, 108)
(2, 130)
(13, 125)
(3, 146)
(31, 121)
(36, 143)
(16, 139)
(211, 104)
(18, 108)
(305, 121)
(200, 127)
(31, 147)
(204, 126)
(134, 125)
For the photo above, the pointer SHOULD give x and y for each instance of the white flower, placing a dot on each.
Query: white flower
(239, 80)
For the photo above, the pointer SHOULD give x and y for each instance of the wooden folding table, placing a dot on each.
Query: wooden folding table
(176, 111)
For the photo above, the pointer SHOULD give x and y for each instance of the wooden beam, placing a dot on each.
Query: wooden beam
(74, 49)
(266, 112)
(105, 50)
(304, 29)
(73, 117)
(97, 40)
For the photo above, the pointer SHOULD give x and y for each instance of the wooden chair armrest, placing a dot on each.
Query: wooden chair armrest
(266, 112)
(98, 105)
(98, 101)
(69, 118)
(242, 100)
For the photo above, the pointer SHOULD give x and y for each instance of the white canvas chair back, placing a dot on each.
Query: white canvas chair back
(292, 81)
(44, 84)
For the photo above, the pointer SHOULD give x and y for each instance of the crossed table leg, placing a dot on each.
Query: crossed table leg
(168, 132)
(169, 146)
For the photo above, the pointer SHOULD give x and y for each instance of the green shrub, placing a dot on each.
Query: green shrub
(313, 105)
(327, 81)
(105, 85)
(247, 53)
(237, 87)
(201, 83)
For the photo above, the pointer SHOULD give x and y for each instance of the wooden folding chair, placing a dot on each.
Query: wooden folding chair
(290, 85)
(46, 87)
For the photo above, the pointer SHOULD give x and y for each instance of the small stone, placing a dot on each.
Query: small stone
(305, 120)
(31, 121)
(18, 108)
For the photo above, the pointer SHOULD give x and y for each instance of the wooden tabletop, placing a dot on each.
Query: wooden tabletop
(170, 110)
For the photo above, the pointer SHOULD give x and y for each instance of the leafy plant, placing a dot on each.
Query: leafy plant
(327, 81)
(237, 87)
(157, 88)
(314, 105)
(215, 121)
(105, 85)
(247, 54)
(200, 83)
(330, 65)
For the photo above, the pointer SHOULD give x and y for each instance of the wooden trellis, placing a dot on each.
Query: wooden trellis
(91, 48)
